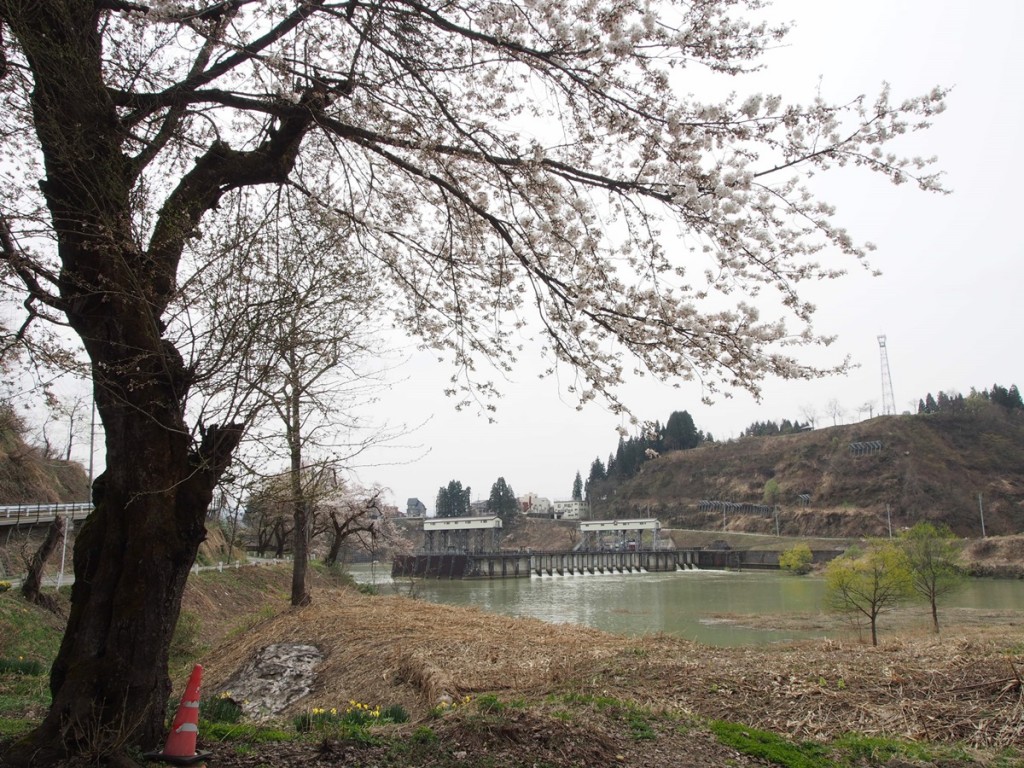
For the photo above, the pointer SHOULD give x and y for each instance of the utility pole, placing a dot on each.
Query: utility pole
(981, 512)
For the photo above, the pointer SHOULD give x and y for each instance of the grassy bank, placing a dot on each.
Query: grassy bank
(481, 690)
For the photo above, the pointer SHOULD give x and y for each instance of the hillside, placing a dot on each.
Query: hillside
(928, 467)
(28, 476)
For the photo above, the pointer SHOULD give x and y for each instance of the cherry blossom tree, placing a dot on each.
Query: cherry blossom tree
(499, 161)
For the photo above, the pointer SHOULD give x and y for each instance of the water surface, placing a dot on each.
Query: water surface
(714, 607)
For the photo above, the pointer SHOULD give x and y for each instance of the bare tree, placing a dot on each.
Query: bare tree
(31, 589)
(128, 127)
(68, 413)
(289, 339)
(810, 414)
(835, 409)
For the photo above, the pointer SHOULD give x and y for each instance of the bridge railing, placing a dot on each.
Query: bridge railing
(28, 514)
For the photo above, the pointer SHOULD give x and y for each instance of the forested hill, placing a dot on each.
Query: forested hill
(926, 466)
(28, 475)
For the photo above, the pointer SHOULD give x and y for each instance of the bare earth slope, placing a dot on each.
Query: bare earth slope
(929, 467)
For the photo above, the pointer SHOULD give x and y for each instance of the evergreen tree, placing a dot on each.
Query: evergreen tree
(597, 474)
(453, 500)
(502, 501)
(577, 488)
(1014, 399)
(680, 432)
(610, 468)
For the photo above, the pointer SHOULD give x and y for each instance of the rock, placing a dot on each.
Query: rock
(275, 677)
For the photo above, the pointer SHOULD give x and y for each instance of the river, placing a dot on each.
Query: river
(714, 607)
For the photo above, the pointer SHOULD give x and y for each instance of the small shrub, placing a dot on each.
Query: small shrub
(449, 706)
(220, 709)
(797, 559)
(424, 734)
(489, 703)
(395, 714)
(4, 586)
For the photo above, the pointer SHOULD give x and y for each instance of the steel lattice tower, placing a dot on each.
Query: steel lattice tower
(888, 401)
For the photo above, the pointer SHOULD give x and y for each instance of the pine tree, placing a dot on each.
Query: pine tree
(502, 501)
(577, 488)
(453, 500)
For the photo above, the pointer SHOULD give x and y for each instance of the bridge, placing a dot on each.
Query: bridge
(33, 514)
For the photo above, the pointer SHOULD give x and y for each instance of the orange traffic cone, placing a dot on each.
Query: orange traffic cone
(180, 748)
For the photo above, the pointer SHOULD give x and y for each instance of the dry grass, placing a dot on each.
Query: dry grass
(390, 650)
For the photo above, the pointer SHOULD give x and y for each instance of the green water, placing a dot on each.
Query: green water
(713, 607)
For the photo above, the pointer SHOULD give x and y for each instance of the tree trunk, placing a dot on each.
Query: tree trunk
(293, 428)
(109, 682)
(935, 616)
(335, 551)
(30, 590)
(300, 555)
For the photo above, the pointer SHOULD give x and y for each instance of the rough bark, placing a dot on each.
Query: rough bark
(109, 683)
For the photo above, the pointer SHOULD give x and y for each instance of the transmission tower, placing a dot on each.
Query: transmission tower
(888, 401)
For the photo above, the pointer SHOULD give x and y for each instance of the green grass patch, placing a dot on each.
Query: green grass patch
(243, 733)
(770, 746)
(13, 727)
(345, 722)
(28, 632)
(21, 694)
(638, 719)
(185, 641)
(250, 621)
(858, 749)
(876, 749)
(20, 666)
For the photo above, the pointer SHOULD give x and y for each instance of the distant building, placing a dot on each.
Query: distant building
(415, 508)
(570, 509)
(532, 504)
(478, 508)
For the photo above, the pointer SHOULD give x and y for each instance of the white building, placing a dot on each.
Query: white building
(570, 509)
(532, 504)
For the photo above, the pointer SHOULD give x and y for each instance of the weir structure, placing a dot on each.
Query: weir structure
(453, 551)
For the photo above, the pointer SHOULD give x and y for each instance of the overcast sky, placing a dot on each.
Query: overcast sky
(949, 300)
